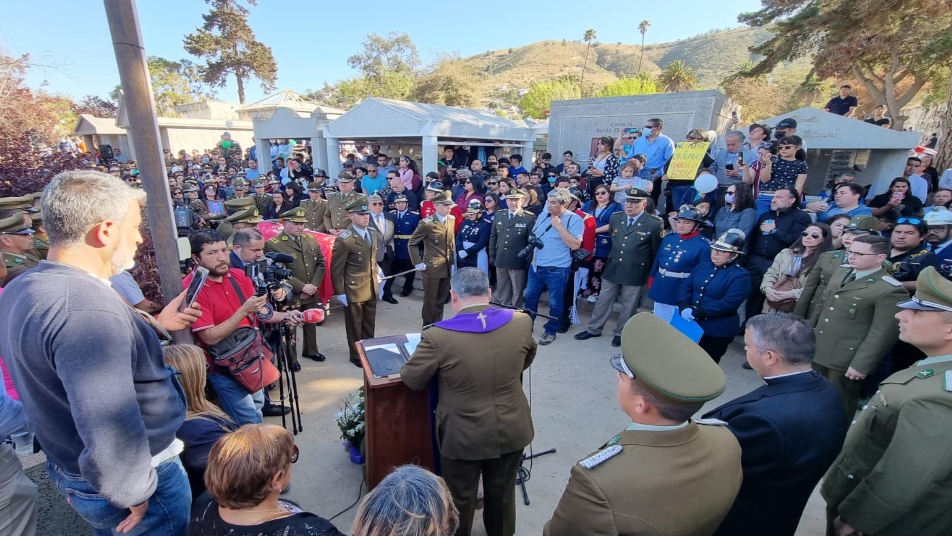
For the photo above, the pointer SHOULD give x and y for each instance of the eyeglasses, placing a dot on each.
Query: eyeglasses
(912, 221)
(295, 454)
(601, 192)
(765, 145)
(492, 183)
(489, 200)
(786, 146)
(805, 234)
(850, 253)
(375, 204)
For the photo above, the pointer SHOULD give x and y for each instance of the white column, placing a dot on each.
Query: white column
(528, 149)
(430, 154)
(319, 152)
(332, 153)
(263, 153)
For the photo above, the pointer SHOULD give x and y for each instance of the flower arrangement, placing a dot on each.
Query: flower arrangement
(350, 419)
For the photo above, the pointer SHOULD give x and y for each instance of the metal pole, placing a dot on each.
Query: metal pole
(137, 99)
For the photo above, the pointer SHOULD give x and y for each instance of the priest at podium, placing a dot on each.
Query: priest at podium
(482, 417)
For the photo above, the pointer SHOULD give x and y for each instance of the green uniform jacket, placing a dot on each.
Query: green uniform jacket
(680, 481)
(335, 217)
(262, 202)
(315, 214)
(482, 411)
(439, 246)
(633, 250)
(817, 280)
(41, 249)
(308, 265)
(508, 237)
(354, 270)
(893, 475)
(855, 325)
(17, 264)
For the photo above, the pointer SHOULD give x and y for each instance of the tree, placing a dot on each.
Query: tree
(811, 89)
(173, 83)
(229, 43)
(537, 101)
(677, 76)
(95, 107)
(642, 29)
(450, 82)
(588, 38)
(634, 85)
(758, 98)
(878, 43)
(388, 67)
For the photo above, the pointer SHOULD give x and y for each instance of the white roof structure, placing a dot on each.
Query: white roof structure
(825, 130)
(89, 125)
(286, 99)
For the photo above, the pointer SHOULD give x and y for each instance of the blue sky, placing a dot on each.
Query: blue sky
(311, 41)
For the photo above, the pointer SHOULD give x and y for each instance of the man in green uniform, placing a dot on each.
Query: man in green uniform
(437, 234)
(335, 216)
(509, 236)
(16, 241)
(308, 268)
(665, 474)
(815, 285)
(248, 218)
(241, 187)
(261, 196)
(315, 206)
(41, 242)
(237, 204)
(892, 476)
(23, 204)
(354, 275)
(855, 327)
(483, 417)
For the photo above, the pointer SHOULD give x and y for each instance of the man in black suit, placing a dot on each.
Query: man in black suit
(384, 223)
(789, 430)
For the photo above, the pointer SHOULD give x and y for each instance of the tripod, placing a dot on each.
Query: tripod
(282, 349)
(523, 474)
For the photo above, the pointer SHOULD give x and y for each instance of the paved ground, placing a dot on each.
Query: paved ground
(572, 391)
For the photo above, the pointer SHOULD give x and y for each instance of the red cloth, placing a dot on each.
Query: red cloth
(427, 209)
(588, 233)
(272, 229)
(219, 300)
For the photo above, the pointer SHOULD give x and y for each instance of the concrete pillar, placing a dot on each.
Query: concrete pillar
(332, 154)
(528, 149)
(263, 150)
(430, 154)
(319, 152)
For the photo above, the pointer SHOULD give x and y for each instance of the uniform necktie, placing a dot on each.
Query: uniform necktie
(850, 278)
(631, 221)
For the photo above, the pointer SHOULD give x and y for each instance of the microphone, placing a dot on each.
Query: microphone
(313, 316)
(283, 258)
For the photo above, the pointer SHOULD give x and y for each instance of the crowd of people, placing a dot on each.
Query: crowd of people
(814, 284)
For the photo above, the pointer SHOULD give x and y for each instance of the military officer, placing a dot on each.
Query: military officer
(232, 206)
(240, 186)
(473, 238)
(261, 196)
(354, 275)
(509, 235)
(315, 206)
(308, 268)
(16, 241)
(680, 252)
(854, 326)
(664, 474)
(248, 218)
(891, 477)
(636, 239)
(41, 242)
(436, 234)
(335, 216)
(815, 285)
(22, 204)
(404, 224)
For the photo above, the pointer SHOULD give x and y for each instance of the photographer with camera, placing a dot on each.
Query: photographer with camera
(555, 234)
(228, 301)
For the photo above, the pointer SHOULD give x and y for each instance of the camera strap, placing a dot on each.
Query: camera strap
(241, 296)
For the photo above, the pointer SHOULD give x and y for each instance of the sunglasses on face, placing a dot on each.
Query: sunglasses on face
(375, 204)
(492, 183)
(912, 221)
(787, 147)
(601, 192)
(805, 234)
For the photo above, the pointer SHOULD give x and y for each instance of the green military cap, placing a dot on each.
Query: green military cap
(37, 219)
(443, 198)
(862, 224)
(239, 182)
(24, 202)
(248, 215)
(345, 177)
(664, 361)
(239, 203)
(15, 225)
(636, 194)
(296, 215)
(516, 193)
(933, 292)
(358, 206)
(260, 183)
(190, 187)
(313, 187)
(36, 195)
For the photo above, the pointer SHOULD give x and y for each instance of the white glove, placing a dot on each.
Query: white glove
(343, 299)
(687, 314)
(463, 254)
(421, 267)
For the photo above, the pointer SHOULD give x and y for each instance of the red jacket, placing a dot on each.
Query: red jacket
(588, 234)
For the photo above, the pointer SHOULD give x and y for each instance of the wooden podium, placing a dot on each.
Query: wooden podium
(397, 420)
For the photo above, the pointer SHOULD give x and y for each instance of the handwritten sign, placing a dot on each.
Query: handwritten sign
(687, 158)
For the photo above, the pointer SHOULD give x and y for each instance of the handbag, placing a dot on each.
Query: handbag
(787, 282)
(245, 355)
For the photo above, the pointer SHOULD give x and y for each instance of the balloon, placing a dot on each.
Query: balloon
(226, 144)
(705, 183)
(229, 123)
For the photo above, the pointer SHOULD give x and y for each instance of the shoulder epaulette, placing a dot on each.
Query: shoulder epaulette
(656, 217)
(426, 327)
(345, 234)
(710, 422)
(274, 240)
(892, 281)
(427, 219)
(600, 457)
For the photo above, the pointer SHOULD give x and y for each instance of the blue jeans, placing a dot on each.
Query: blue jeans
(554, 280)
(167, 514)
(763, 204)
(238, 403)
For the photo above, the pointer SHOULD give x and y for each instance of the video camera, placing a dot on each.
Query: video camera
(534, 243)
(268, 273)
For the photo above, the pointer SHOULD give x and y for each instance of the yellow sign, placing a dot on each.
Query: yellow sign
(687, 158)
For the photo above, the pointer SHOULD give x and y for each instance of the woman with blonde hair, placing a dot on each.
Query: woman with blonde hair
(247, 470)
(410, 501)
(204, 421)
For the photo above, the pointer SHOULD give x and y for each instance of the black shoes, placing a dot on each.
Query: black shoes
(405, 293)
(585, 335)
(295, 367)
(274, 410)
(316, 357)
(356, 363)
(390, 299)
(616, 341)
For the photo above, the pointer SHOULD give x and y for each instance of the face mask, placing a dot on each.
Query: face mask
(648, 131)
(729, 198)
(779, 135)
(551, 180)
(205, 160)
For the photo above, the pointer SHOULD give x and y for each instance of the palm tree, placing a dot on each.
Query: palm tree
(643, 28)
(588, 38)
(677, 76)
(810, 89)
